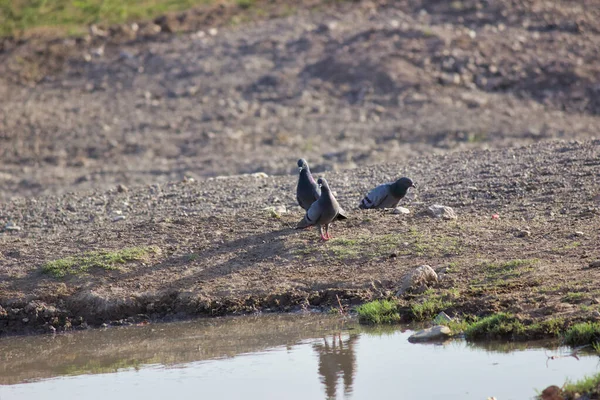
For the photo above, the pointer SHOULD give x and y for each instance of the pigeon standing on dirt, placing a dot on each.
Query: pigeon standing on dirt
(387, 195)
(322, 212)
(307, 191)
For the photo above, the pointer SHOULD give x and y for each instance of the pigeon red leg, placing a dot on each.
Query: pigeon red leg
(323, 236)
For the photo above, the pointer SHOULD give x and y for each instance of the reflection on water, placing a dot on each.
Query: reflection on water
(336, 359)
(274, 357)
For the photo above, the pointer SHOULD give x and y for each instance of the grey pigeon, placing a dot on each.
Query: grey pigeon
(322, 212)
(307, 191)
(387, 195)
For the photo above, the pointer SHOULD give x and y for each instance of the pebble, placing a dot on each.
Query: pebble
(118, 218)
(213, 31)
(259, 175)
(122, 188)
(401, 210)
(522, 233)
(11, 226)
(579, 233)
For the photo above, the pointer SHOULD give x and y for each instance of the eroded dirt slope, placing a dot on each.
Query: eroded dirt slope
(345, 85)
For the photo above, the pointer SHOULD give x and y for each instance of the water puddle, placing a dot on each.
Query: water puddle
(275, 357)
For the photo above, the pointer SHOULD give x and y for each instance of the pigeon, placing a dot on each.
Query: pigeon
(322, 212)
(307, 191)
(387, 195)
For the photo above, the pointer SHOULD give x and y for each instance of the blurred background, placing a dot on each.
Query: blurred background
(97, 93)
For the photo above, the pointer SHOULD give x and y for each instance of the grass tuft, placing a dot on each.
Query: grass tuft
(495, 326)
(378, 312)
(429, 308)
(583, 333)
(586, 385)
(108, 260)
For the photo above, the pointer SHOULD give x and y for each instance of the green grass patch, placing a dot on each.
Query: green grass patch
(574, 297)
(108, 260)
(495, 326)
(378, 312)
(429, 307)
(583, 333)
(586, 385)
(508, 326)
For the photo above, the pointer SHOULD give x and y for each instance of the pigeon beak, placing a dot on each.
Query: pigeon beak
(300, 169)
(414, 185)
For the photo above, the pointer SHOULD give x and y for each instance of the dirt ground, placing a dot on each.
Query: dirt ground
(463, 97)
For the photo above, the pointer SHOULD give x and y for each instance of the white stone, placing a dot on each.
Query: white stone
(440, 211)
(401, 210)
(438, 332)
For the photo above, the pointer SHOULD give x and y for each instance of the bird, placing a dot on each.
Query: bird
(322, 212)
(387, 195)
(307, 190)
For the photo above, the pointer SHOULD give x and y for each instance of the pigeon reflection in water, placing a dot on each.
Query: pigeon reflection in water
(337, 359)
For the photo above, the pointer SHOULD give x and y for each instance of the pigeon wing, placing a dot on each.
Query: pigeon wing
(312, 216)
(375, 197)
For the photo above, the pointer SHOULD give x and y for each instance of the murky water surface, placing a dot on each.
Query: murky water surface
(274, 357)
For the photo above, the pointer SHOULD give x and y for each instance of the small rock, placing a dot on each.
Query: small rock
(259, 175)
(438, 332)
(401, 210)
(118, 218)
(473, 100)
(213, 31)
(439, 211)
(25, 320)
(51, 329)
(522, 233)
(578, 233)
(104, 325)
(417, 280)
(122, 188)
(11, 226)
(594, 264)
(449, 79)
(442, 317)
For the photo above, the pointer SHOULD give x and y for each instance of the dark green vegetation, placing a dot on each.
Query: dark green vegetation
(378, 312)
(506, 325)
(107, 260)
(583, 333)
(431, 305)
(587, 385)
(72, 17)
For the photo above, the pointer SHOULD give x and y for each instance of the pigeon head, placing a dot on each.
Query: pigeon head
(400, 187)
(323, 184)
(302, 164)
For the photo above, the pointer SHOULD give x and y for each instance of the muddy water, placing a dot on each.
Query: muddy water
(274, 357)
